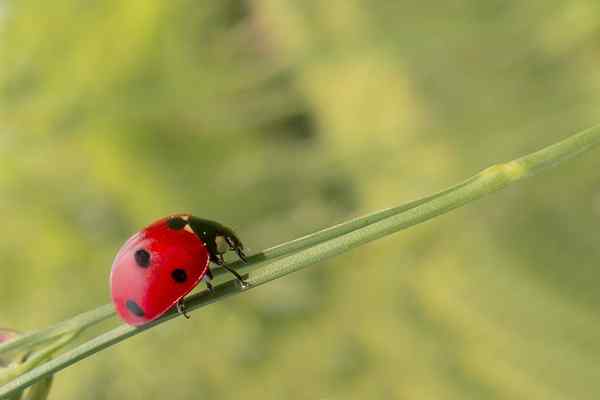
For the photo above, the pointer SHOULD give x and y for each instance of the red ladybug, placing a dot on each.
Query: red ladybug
(163, 262)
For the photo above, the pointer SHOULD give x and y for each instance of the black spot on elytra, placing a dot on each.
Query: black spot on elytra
(176, 223)
(142, 258)
(133, 307)
(179, 275)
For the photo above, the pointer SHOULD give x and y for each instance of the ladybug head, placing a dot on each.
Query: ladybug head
(225, 240)
(218, 238)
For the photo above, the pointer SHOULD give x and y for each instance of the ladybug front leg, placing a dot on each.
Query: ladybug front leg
(241, 255)
(221, 262)
(238, 248)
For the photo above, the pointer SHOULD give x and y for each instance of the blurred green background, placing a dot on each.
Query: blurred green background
(279, 118)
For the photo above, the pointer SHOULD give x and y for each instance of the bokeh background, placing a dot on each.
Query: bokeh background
(282, 117)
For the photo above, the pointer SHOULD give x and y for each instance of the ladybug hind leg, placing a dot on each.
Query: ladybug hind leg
(181, 308)
(207, 280)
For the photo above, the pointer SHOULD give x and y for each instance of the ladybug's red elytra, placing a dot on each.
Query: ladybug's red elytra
(163, 262)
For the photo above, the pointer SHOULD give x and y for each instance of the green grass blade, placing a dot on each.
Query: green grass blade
(77, 323)
(15, 370)
(323, 235)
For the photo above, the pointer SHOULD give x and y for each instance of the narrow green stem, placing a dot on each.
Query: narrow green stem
(487, 181)
(81, 321)
(309, 240)
(336, 240)
(36, 358)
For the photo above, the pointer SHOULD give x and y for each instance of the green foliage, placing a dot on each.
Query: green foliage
(15, 364)
(279, 118)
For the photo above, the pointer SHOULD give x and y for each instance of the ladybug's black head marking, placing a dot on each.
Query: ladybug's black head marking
(179, 275)
(133, 307)
(142, 258)
(176, 223)
(217, 238)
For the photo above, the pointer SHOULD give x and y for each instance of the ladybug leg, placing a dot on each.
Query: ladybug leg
(221, 262)
(181, 308)
(241, 255)
(237, 248)
(209, 285)
(207, 278)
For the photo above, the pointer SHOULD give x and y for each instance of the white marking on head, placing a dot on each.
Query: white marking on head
(222, 245)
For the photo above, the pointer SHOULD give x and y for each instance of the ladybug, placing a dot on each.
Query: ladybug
(163, 262)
